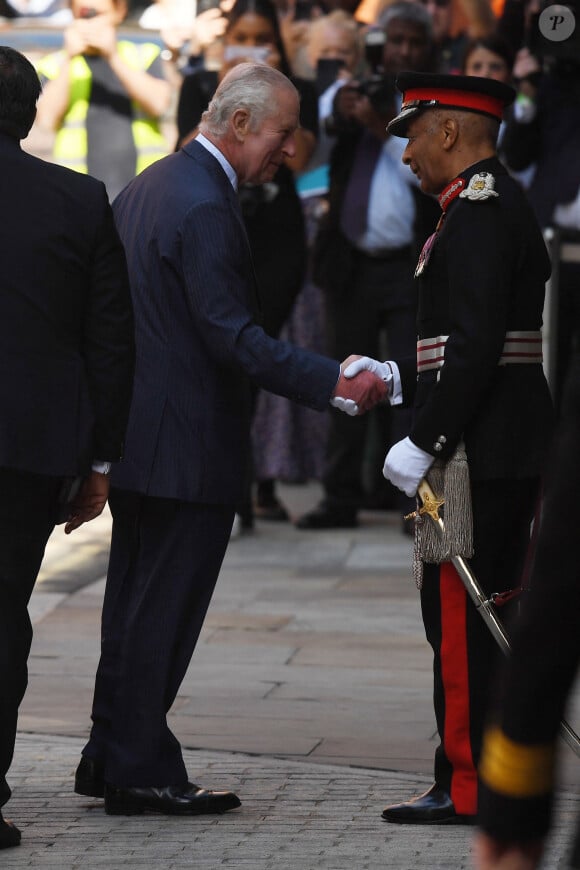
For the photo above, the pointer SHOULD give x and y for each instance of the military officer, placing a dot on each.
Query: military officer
(477, 386)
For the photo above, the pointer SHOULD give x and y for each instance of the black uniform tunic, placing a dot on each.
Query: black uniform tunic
(485, 276)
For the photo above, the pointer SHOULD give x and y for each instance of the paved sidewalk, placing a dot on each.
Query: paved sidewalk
(293, 815)
(309, 694)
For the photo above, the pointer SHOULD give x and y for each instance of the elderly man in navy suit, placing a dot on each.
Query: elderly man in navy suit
(199, 348)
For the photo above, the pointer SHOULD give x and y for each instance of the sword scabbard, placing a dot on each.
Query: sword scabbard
(430, 506)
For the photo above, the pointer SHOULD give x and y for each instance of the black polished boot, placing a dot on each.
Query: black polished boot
(435, 807)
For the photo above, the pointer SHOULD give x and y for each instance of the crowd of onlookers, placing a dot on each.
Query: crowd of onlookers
(335, 236)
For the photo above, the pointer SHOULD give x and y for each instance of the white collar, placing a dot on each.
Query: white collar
(223, 162)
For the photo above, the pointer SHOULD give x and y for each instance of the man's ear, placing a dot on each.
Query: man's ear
(241, 124)
(449, 131)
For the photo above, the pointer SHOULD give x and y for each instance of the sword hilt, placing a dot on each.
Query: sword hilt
(430, 503)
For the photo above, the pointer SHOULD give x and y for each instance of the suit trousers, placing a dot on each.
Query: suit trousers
(380, 297)
(27, 516)
(165, 559)
(464, 649)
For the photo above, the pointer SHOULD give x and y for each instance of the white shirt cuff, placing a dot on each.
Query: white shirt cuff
(396, 394)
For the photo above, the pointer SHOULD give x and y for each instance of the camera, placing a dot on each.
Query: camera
(381, 90)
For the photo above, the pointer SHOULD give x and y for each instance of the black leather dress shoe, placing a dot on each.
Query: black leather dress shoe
(435, 807)
(90, 778)
(9, 834)
(328, 517)
(174, 800)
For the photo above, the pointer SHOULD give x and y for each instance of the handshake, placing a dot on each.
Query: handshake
(363, 383)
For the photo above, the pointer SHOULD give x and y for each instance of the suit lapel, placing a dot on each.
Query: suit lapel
(212, 165)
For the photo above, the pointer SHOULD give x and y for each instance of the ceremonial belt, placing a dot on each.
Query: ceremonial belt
(520, 346)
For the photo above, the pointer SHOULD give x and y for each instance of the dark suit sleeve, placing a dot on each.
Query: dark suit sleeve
(217, 269)
(108, 346)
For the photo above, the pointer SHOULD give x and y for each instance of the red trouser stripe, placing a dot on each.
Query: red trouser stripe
(454, 673)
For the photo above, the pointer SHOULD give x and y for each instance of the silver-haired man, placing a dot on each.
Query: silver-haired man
(199, 347)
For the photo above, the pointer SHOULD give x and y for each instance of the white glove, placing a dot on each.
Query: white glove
(380, 369)
(349, 406)
(406, 465)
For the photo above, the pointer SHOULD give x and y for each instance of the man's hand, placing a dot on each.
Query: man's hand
(101, 36)
(345, 102)
(355, 395)
(90, 501)
(491, 854)
(382, 370)
(406, 465)
(74, 39)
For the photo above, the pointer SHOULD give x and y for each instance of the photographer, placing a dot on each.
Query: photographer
(544, 130)
(104, 96)
(366, 249)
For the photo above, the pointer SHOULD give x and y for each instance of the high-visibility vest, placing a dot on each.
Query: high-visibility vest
(70, 146)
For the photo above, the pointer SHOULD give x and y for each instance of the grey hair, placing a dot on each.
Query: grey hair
(473, 125)
(249, 86)
(407, 10)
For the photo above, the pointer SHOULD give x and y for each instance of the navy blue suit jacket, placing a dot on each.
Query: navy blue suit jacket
(66, 357)
(198, 343)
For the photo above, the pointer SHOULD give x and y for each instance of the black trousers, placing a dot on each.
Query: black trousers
(381, 298)
(165, 559)
(464, 651)
(27, 516)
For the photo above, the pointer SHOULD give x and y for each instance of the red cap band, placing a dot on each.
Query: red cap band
(456, 99)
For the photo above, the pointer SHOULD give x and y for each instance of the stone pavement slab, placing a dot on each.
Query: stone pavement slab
(293, 815)
(313, 639)
(309, 692)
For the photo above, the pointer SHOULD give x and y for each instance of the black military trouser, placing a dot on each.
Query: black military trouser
(464, 651)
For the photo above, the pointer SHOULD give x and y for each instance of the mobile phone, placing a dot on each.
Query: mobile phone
(303, 10)
(259, 53)
(327, 70)
(374, 46)
(204, 5)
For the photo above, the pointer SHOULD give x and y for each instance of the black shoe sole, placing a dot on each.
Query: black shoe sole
(448, 820)
(128, 806)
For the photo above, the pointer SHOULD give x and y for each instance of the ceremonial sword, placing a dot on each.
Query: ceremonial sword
(484, 605)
